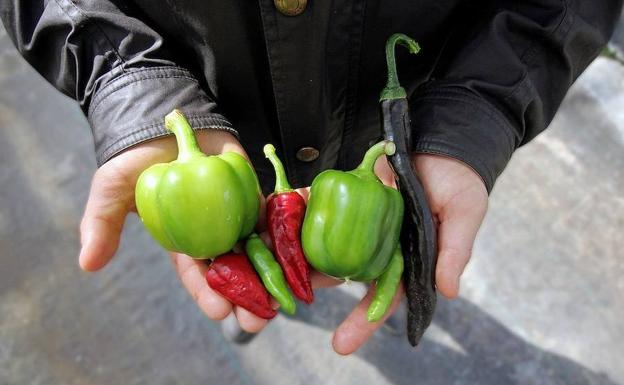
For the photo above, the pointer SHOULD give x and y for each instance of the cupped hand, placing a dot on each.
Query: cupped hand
(456, 194)
(111, 199)
(458, 199)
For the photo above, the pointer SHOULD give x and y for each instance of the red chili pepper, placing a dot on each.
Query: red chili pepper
(232, 276)
(285, 212)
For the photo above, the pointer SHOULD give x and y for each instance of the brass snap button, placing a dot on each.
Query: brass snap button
(291, 7)
(307, 154)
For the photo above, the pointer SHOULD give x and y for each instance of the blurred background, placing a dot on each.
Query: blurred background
(542, 301)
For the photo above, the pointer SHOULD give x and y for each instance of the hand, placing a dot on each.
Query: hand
(112, 198)
(458, 199)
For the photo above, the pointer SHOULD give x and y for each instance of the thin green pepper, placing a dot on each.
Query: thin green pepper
(386, 287)
(270, 272)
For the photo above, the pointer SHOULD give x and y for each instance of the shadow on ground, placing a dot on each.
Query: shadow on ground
(485, 351)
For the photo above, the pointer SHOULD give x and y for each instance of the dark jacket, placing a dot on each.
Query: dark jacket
(490, 75)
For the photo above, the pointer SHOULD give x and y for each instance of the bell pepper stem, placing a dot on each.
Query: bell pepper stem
(281, 181)
(188, 147)
(393, 89)
(385, 147)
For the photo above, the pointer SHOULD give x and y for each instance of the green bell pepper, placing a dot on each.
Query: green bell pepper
(352, 223)
(198, 205)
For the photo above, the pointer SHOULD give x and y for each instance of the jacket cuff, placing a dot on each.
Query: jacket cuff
(457, 123)
(130, 109)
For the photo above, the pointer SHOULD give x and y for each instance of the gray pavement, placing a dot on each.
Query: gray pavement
(542, 301)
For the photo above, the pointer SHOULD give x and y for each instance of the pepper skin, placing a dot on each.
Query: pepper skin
(198, 205)
(418, 232)
(285, 211)
(353, 221)
(232, 276)
(270, 272)
(386, 287)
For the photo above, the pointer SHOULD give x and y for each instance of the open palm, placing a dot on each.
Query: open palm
(458, 200)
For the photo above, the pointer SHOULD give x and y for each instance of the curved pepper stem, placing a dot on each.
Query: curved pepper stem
(281, 182)
(393, 89)
(176, 122)
(385, 147)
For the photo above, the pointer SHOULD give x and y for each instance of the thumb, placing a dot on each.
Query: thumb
(110, 200)
(459, 222)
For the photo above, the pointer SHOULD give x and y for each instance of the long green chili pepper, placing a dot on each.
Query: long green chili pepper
(270, 272)
(418, 232)
(386, 287)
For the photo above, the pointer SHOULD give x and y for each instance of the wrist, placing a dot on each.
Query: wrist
(133, 160)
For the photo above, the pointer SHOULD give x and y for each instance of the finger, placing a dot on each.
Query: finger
(192, 274)
(218, 141)
(355, 330)
(110, 200)
(320, 280)
(384, 172)
(261, 225)
(459, 222)
(304, 192)
(266, 238)
(248, 321)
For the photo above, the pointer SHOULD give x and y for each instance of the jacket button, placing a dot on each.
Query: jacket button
(291, 7)
(307, 154)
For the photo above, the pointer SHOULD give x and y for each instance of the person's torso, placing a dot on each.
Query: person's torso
(305, 81)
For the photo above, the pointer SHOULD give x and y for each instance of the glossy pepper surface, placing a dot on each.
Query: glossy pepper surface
(285, 212)
(232, 276)
(198, 205)
(270, 272)
(386, 287)
(418, 232)
(352, 223)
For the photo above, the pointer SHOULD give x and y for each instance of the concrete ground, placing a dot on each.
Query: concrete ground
(542, 301)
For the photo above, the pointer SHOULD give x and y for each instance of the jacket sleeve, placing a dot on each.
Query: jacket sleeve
(499, 83)
(121, 71)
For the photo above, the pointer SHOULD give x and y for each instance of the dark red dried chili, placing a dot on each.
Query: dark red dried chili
(285, 212)
(232, 276)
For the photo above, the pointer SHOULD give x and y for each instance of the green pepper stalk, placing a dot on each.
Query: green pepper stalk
(393, 89)
(365, 168)
(188, 148)
(198, 205)
(281, 180)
